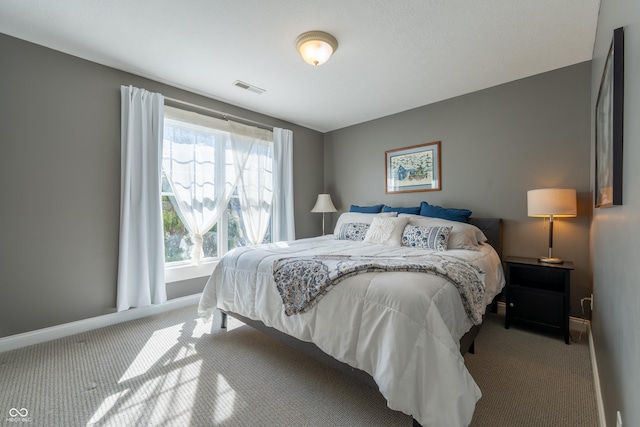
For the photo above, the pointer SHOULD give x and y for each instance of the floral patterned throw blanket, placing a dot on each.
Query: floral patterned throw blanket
(302, 281)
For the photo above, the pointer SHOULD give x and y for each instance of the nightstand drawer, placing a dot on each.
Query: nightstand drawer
(536, 307)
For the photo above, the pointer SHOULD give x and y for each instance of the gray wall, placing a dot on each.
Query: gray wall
(495, 145)
(615, 231)
(60, 175)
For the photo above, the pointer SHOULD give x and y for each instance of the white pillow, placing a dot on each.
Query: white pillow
(364, 218)
(462, 236)
(386, 231)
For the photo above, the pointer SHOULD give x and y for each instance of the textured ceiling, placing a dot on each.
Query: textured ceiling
(392, 55)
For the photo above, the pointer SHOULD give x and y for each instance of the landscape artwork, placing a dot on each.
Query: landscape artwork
(415, 168)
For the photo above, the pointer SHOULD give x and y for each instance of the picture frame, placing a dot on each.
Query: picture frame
(609, 126)
(412, 169)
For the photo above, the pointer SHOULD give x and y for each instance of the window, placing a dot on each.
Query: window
(216, 186)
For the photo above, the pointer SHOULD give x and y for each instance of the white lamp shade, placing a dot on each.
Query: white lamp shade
(316, 47)
(324, 204)
(557, 202)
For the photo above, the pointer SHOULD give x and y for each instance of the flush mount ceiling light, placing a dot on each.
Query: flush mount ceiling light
(316, 47)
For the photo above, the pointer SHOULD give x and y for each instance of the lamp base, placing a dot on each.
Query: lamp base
(550, 260)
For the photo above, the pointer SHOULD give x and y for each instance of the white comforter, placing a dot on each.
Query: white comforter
(402, 328)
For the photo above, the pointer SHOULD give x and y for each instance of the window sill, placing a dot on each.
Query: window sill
(185, 271)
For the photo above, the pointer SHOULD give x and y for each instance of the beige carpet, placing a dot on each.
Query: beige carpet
(531, 379)
(166, 370)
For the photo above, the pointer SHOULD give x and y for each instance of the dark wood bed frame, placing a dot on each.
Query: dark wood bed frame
(491, 227)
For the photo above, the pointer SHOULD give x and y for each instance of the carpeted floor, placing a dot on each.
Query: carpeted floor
(531, 379)
(167, 370)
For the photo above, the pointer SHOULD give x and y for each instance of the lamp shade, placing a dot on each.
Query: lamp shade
(316, 47)
(556, 202)
(324, 204)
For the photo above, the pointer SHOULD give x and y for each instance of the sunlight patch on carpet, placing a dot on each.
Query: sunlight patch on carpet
(106, 406)
(225, 400)
(166, 346)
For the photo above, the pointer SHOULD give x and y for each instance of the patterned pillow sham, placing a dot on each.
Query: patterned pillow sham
(463, 235)
(352, 231)
(426, 237)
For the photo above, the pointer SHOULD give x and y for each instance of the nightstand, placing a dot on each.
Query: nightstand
(537, 294)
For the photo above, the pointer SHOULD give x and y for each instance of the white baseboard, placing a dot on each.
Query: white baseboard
(578, 324)
(13, 342)
(596, 380)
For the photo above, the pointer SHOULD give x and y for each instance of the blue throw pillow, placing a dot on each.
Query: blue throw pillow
(366, 209)
(411, 211)
(460, 215)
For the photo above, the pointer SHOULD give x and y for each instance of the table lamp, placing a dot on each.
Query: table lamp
(551, 202)
(323, 205)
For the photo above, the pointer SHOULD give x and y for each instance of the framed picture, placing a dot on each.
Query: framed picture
(608, 131)
(415, 168)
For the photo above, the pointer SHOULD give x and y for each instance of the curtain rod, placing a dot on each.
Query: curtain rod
(222, 114)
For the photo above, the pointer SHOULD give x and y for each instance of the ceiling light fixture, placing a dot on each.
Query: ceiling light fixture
(316, 47)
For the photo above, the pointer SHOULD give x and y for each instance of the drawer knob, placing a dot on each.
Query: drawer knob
(511, 304)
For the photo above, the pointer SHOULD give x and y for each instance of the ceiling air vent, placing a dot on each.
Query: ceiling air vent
(247, 86)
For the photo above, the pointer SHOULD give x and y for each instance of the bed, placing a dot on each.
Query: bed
(398, 325)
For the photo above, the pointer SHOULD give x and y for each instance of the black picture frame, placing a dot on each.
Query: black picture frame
(609, 126)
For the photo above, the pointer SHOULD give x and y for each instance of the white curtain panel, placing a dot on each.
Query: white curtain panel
(202, 191)
(141, 257)
(255, 186)
(191, 175)
(283, 215)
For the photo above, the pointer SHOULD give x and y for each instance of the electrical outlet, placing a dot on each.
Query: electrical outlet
(591, 301)
(618, 419)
